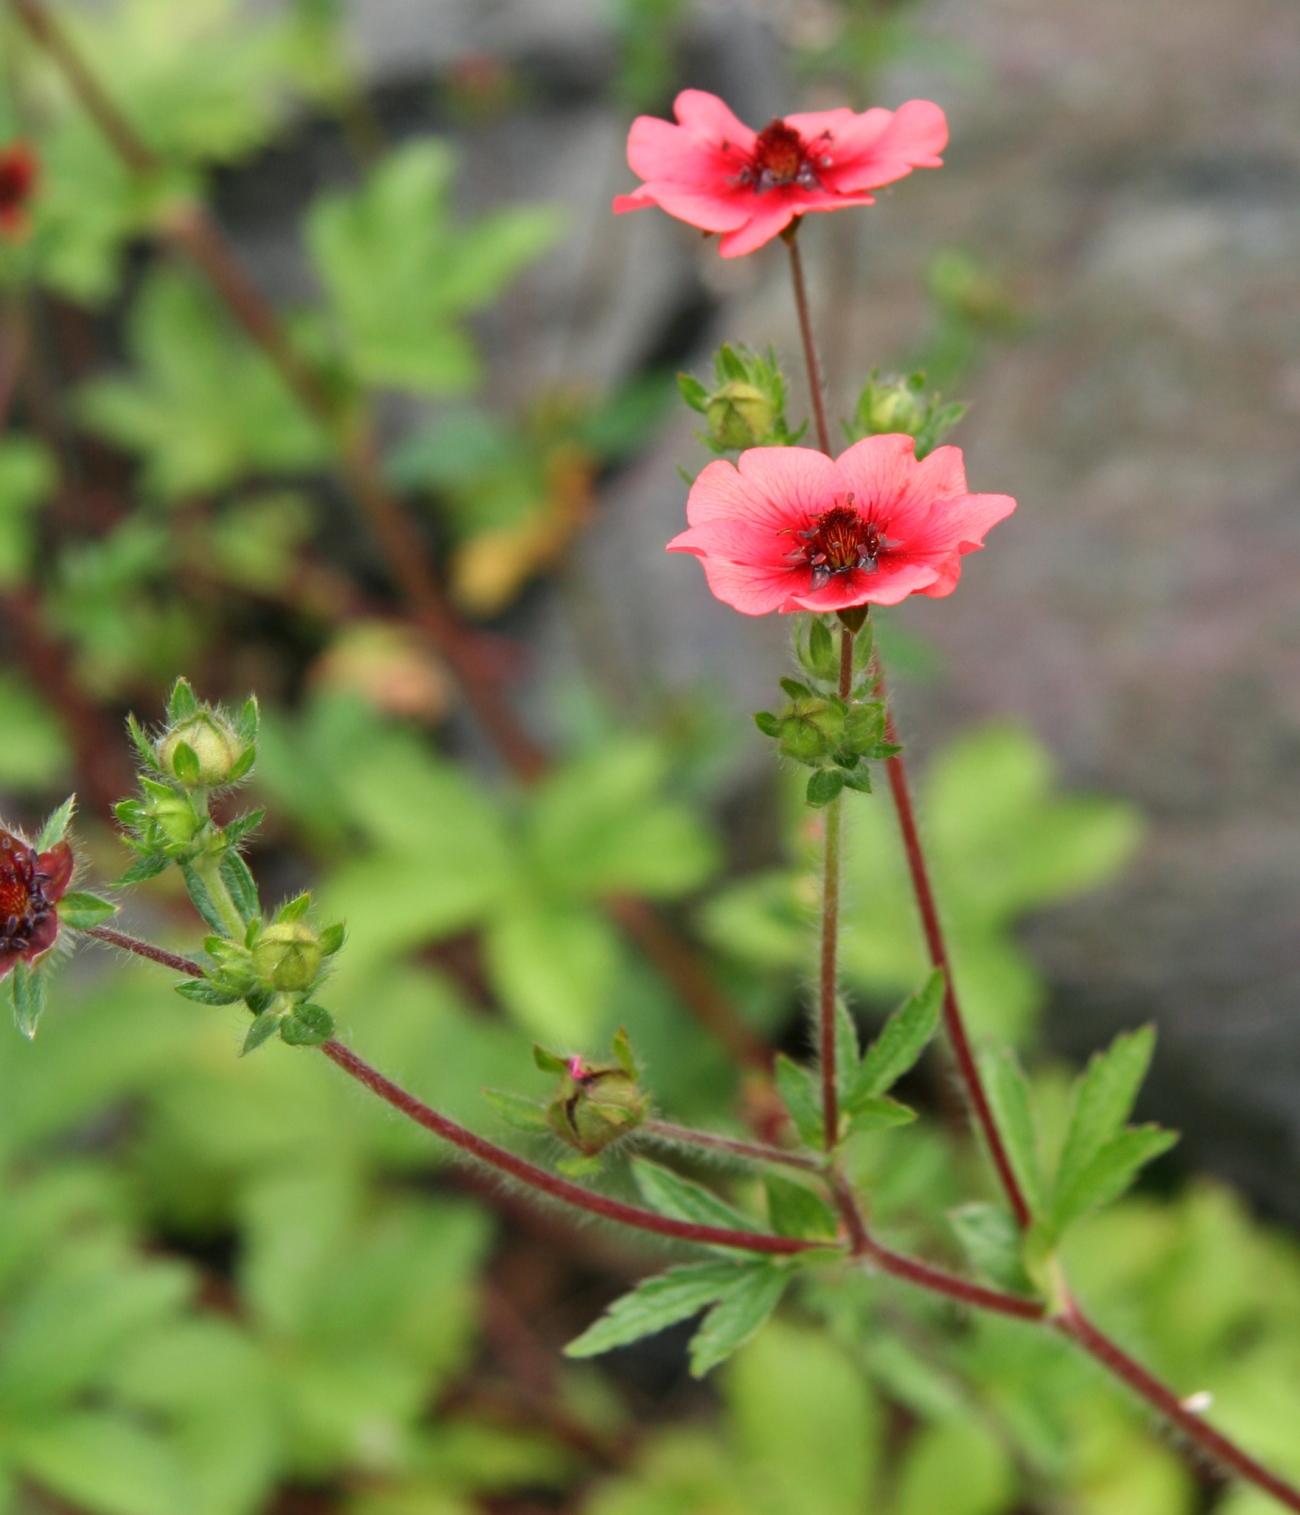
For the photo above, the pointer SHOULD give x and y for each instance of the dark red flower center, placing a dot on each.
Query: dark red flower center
(23, 903)
(779, 157)
(840, 540)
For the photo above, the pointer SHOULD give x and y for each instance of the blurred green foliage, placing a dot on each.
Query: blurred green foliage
(226, 1283)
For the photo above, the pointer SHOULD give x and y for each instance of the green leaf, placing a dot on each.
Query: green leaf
(147, 867)
(797, 1210)
(332, 938)
(52, 832)
(201, 898)
(204, 992)
(555, 966)
(102, 1462)
(738, 1316)
(548, 1061)
(693, 392)
(767, 723)
(400, 274)
(1008, 1094)
(1109, 1174)
(1104, 1095)
(247, 721)
(879, 1113)
(294, 909)
(185, 763)
(824, 786)
(800, 1092)
(140, 741)
(523, 1114)
(80, 910)
(905, 1036)
(991, 1240)
(235, 831)
(181, 702)
(657, 1303)
(28, 990)
(307, 1026)
(683, 1199)
(848, 1050)
(262, 1028)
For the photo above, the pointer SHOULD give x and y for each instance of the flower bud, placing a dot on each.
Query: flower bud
(889, 408)
(740, 415)
(811, 729)
(288, 956)
(595, 1106)
(202, 751)
(175, 816)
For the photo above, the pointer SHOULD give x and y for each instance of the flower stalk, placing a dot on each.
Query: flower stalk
(828, 973)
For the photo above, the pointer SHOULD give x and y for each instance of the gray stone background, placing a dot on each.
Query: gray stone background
(1133, 172)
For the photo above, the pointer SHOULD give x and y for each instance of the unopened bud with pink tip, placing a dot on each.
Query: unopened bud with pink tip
(596, 1103)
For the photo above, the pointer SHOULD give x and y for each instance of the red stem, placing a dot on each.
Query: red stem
(549, 1183)
(791, 238)
(953, 1020)
(1146, 1386)
(185, 966)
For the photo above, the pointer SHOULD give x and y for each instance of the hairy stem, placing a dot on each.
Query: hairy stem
(756, 1152)
(185, 966)
(209, 871)
(828, 966)
(545, 1182)
(815, 386)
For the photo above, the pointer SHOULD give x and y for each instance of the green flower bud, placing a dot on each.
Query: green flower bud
(175, 817)
(740, 415)
(887, 409)
(203, 751)
(288, 956)
(595, 1106)
(810, 730)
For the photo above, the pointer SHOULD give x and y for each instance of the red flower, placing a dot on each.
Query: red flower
(17, 181)
(31, 885)
(791, 529)
(714, 172)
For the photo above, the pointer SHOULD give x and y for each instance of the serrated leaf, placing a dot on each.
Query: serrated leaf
(147, 867)
(738, 1316)
(28, 990)
(801, 1095)
(520, 1113)
(52, 832)
(204, 992)
(1109, 1174)
(182, 701)
(307, 1026)
(903, 1039)
(235, 831)
(81, 910)
(1008, 1095)
(879, 1113)
(241, 884)
(991, 1240)
(794, 1209)
(1104, 1095)
(824, 786)
(655, 1304)
(143, 746)
(262, 1028)
(682, 1198)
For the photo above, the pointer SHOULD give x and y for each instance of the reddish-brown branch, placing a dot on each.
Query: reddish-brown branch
(1160, 1397)
(954, 1023)
(550, 1184)
(815, 381)
(185, 966)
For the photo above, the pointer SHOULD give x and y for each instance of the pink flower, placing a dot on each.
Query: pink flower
(31, 886)
(714, 172)
(791, 529)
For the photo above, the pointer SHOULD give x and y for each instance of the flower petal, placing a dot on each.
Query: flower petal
(659, 150)
(712, 120)
(796, 483)
(55, 871)
(751, 588)
(889, 585)
(878, 472)
(867, 156)
(705, 208)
